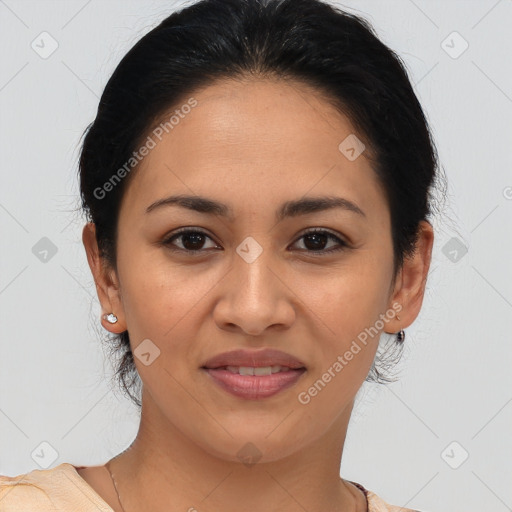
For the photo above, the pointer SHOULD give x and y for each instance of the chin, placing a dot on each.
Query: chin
(250, 450)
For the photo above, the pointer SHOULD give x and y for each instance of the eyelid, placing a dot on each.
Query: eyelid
(187, 229)
(327, 231)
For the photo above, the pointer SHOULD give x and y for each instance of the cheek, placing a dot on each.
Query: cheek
(156, 292)
(351, 297)
(165, 303)
(347, 307)
(345, 345)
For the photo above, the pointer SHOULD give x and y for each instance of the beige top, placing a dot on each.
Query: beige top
(62, 488)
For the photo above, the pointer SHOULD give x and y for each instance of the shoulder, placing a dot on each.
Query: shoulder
(377, 504)
(58, 488)
(25, 492)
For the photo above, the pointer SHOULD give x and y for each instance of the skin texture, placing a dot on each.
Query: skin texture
(250, 144)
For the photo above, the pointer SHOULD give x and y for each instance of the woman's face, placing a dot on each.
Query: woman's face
(255, 281)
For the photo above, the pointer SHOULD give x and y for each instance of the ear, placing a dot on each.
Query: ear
(411, 280)
(107, 283)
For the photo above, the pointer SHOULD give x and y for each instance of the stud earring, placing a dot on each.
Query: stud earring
(400, 336)
(111, 318)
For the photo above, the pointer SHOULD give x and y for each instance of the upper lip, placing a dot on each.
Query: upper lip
(254, 358)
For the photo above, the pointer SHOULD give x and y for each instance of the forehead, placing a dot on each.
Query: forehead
(273, 136)
(246, 112)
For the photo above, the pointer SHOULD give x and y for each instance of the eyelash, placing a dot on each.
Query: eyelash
(321, 252)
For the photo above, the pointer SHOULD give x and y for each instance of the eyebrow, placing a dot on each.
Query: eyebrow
(294, 208)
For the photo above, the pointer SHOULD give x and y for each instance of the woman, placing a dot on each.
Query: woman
(257, 183)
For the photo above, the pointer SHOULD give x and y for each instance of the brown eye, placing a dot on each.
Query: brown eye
(317, 240)
(192, 240)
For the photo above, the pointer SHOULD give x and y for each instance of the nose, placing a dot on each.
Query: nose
(255, 296)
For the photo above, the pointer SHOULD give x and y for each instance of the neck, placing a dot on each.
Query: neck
(163, 467)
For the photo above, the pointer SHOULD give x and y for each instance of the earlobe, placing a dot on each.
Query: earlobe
(111, 323)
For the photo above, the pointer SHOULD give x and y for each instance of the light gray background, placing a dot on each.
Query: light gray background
(456, 372)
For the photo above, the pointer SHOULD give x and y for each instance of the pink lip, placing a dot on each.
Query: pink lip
(254, 387)
(253, 358)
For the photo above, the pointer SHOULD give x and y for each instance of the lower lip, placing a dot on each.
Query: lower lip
(254, 387)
